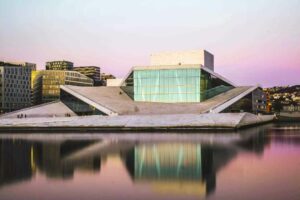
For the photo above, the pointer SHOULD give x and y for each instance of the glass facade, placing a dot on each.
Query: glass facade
(36, 88)
(167, 85)
(168, 161)
(128, 88)
(78, 106)
(174, 85)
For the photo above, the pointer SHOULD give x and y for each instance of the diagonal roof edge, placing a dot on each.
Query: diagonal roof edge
(218, 76)
(223, 106)
(126, 77)
(101, 108)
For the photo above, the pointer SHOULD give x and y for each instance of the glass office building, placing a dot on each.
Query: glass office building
(173, 84)
(46, 83)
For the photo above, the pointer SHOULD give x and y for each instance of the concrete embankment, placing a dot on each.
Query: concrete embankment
(180, 122)
(288, 117)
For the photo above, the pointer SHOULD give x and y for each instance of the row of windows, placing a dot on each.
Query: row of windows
(79, 83)
(17, 80)
(51, 92)
(50, 87)
(19, 91)
(78, 79)
(16, 95)
(57, 65)
(15, 105)
(61, 80)
(53, 82)
(87, 70)
(16, 100)
(17, 76)
(16, 86)
(18, 72)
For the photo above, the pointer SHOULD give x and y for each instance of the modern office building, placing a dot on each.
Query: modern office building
(15, 85)
(92, 72)
(188, 87)
(59, 65)
(46, 83)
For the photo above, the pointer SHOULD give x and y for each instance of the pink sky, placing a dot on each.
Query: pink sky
(253, 41)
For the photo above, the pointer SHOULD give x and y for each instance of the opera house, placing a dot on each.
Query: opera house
(175, 83)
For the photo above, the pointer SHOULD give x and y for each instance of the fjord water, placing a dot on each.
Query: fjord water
(256, 163)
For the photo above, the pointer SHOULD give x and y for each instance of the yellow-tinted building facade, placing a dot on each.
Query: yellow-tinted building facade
(46, 83)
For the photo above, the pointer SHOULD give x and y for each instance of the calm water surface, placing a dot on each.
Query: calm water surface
(258, 163)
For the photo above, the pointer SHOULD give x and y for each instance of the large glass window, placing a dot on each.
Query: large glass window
(173, 85)
(167, 85)
(211, 86)
(77, 106)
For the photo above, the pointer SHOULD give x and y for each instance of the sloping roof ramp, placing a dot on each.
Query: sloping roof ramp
(113, 101)
(89, 101)
(219, 108)
(50, 109)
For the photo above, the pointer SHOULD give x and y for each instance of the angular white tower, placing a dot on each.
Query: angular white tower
(201, 57)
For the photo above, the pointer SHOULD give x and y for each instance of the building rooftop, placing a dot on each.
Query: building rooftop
(202, 57)
(113, 101)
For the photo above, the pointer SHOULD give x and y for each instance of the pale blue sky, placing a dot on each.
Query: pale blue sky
(250, 39)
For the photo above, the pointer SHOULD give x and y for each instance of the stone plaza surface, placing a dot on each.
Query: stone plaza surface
(52, 109)
(135, 122)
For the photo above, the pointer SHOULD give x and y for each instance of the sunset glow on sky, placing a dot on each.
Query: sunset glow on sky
(253, 41)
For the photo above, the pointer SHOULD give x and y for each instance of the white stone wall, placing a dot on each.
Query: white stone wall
(114, 82)
(183, 58)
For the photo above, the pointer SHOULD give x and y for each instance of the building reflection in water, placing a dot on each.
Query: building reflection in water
(188, 168)
(178, 168)
(50, 159)
(16, 161)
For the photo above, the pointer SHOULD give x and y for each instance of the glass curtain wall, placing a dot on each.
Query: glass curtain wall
(167, 85)
(211, 86)
(168, 161)
(176, 85)
(78, 106)
(128, 88)
(46, 84)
